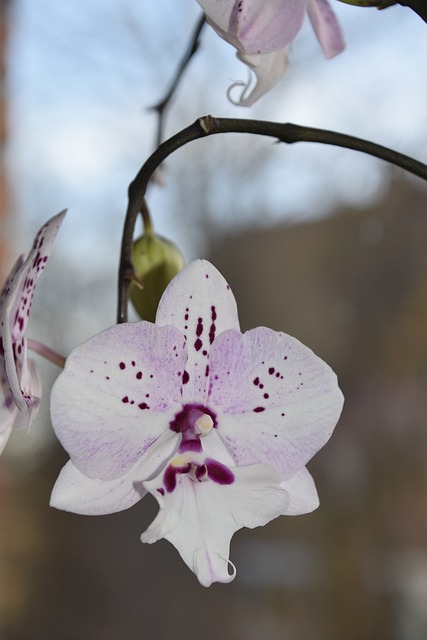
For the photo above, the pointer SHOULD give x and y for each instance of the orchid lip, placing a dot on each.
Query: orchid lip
(196, 470)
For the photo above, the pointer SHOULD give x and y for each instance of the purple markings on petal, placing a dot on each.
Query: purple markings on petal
(198, 344)
(185, 377)
(218, 472)
(169, 478)
(212, 329)
(201, 472)
(143, 405)
(190, 444)
(199, 328)
(259, 409)
(122, 365)
(184, 421)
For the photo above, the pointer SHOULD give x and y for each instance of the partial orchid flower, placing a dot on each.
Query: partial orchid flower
(20, 387)
(262, 30)
(217, 425)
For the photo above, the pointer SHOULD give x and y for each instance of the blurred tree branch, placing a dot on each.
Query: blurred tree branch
(162, 105)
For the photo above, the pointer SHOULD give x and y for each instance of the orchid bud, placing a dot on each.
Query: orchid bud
(156, 261)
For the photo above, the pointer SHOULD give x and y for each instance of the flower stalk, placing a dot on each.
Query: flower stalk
(288, 133)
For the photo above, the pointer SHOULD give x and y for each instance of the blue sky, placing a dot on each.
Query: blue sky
(82, 74)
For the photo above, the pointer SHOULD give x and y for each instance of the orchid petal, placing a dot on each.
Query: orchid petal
(326, 27)
(19, 376)
(276, 402)
(77, 493)
(268, 69)
(302, 493)
(200, 304)
(8, 413)
(117, 394)
(199, 518)
(219, 13)
(265, 27)
(31, 388)
(16, 305)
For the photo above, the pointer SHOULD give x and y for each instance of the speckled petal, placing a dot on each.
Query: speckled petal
(31, 386)
(276, 402)
(200, 304)
(15, 304)
(264, 27)
(75, 492)
(326, 27)
(268, 69)
(117, 395)
(200, 518)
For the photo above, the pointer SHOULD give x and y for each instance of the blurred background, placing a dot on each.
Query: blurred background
(325, 244)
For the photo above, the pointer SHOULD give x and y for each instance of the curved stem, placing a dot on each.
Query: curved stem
(208, 125)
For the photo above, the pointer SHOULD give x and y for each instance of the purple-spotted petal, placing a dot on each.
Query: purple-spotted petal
(77, 493)
(200, 304)
(326, 27)
(264, 27)
(276, 402)
(15, 304)
(30, 384)
(268, 69)
(200, 518)
(117, 394)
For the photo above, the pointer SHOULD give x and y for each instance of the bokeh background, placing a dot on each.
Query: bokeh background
(325, 244)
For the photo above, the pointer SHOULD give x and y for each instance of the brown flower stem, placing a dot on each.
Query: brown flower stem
(207, 126)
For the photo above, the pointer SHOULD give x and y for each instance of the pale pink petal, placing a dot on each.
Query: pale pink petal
(199, 518)
(75, 492)
(267, 26)
(302, 493)
(219, 12)
(326, 27)
(15, 308)
(8, 411)
(268, 69)
(275, 401)
(200, 304)
(15, 305)
(117, 394)
(30, 383)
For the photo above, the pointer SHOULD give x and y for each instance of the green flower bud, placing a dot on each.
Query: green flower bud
(156, 261)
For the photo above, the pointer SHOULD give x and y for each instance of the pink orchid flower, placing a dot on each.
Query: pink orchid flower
(217, 425)
(20, 388)
(261, 31)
